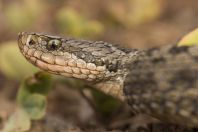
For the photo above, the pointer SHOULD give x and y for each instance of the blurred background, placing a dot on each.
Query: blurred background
(131, 23)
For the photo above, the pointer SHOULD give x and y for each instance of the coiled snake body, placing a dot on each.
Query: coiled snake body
(162, 82)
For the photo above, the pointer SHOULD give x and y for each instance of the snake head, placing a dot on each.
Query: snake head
(82, 59)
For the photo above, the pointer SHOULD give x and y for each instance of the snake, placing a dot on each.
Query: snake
(161, 82)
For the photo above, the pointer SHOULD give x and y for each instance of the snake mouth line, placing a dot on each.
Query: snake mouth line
(69, 67)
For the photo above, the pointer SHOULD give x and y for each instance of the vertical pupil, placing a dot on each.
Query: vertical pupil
(53, 45)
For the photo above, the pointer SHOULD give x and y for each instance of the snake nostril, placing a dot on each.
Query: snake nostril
(32, 42)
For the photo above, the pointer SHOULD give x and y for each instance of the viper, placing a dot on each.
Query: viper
(161, 82)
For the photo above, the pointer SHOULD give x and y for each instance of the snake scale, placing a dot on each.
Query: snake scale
(161, 82)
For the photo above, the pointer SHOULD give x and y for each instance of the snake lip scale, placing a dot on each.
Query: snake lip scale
(161, 82)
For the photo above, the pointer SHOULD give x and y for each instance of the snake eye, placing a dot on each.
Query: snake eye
(53, 44)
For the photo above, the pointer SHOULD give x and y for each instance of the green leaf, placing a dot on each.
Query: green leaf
(32, 94)
(18, 122)
(39, 83)
(35, 106)
(189, 39)
(12, 63)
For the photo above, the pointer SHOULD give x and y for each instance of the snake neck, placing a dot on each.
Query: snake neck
(115, 84)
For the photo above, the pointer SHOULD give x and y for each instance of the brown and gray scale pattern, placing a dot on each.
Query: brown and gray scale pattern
(162, 82)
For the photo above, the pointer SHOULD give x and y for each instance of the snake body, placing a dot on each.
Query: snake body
(162, 82)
